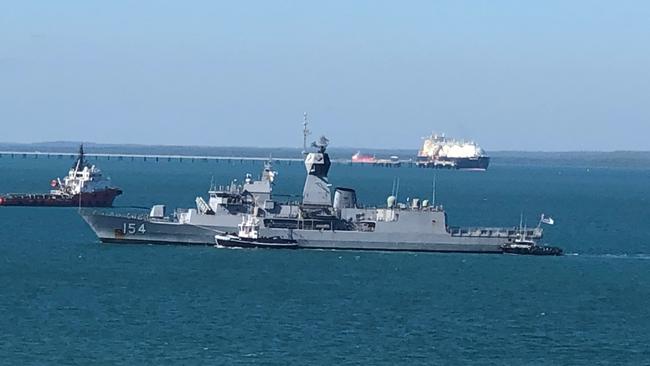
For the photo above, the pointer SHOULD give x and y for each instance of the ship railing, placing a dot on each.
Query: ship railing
(26, 195)
(495, 232)
(127, 215)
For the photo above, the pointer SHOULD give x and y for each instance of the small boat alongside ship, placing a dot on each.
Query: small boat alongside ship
(84, 186)
(248, 237)
(530, 248)
(525, 246)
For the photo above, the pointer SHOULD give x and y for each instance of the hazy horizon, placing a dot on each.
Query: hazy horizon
(512, 76)
(73, 144)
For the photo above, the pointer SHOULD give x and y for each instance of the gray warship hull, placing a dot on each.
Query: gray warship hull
(342, 240)
(129, 229)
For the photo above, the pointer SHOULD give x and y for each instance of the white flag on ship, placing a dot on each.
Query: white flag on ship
(547, 220)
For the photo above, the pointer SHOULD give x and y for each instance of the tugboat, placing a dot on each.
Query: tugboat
(84, 186)
(529, 247)
(248, 237)
(525, 246)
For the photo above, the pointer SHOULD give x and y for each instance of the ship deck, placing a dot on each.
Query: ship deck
(495, 232)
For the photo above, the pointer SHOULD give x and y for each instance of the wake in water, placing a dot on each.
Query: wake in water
(611, 256)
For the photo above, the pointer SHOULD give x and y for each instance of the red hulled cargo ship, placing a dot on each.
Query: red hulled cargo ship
(84, 186)
(363, 159)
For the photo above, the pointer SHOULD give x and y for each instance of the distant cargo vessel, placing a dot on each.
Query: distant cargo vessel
(438, 151)
(363, 158)
(360, 158)
(84, 186)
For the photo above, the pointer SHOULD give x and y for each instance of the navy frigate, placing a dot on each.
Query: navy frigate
(247, 215)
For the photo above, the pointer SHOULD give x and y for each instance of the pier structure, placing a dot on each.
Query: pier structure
(178, 158)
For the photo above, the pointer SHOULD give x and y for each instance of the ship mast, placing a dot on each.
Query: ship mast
(79, 164)
(433, 195)
(305, 133)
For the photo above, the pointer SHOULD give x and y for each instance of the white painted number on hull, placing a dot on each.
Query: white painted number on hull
(130, 228)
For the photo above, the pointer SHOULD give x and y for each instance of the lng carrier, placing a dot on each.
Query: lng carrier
(439, 151)
(248, 215)
(83, 186)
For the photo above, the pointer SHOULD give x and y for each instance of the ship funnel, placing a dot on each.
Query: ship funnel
(345, 198)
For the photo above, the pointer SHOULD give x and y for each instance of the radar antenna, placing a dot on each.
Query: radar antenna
(79, 164)
(321, 144)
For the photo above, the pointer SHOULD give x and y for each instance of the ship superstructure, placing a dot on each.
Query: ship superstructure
(439, 151)
(85, 185)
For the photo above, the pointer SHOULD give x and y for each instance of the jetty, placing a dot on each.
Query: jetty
(177, 157)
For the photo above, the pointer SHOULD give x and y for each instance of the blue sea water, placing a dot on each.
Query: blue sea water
(67, 299)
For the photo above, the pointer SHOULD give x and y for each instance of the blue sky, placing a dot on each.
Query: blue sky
(546, 75)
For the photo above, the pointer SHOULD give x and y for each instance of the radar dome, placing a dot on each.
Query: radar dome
(390, 201)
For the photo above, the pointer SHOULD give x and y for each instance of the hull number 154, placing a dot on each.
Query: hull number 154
(132, 228)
